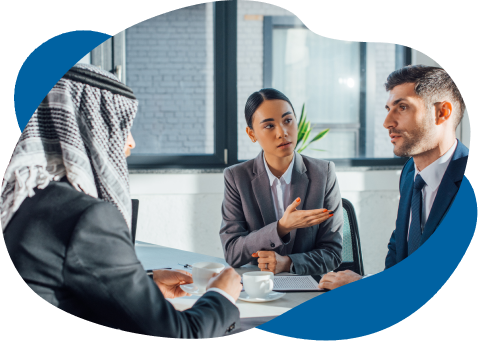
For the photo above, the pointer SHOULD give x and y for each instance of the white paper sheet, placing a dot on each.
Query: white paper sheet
(295, 283)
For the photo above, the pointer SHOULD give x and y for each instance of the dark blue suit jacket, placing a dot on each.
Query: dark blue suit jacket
(398, 245)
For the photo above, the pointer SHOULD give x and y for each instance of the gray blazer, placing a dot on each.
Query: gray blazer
(249, 222)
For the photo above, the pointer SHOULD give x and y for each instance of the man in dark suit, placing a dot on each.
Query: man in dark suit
(66, 212)
(424, 109)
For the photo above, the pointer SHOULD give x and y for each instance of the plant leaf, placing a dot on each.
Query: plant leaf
(302, 116)
(301, 125)
(320, 135)
(306, 134)
(316, 138)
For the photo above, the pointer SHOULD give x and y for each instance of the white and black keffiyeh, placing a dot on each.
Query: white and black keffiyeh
(78, 131)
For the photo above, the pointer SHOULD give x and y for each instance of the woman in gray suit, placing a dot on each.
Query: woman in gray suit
(278, 209)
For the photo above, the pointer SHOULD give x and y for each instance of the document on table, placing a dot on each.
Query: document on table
(295, 283)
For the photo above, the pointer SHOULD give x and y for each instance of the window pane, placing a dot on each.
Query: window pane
(338, 144)
(320, 72)
(380, 63)
(323, 73)
(169, 66)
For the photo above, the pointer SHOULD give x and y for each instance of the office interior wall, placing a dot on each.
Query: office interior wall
(184, 210)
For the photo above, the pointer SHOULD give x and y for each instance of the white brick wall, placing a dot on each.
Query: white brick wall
(169, 66)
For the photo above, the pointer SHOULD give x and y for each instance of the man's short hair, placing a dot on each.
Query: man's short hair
(433, 84)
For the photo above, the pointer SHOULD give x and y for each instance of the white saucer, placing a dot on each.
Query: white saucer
(272, 296)
(192, 289)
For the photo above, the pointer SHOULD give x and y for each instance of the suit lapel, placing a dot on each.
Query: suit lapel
(262, 191)
(445, 195)
(447, 190)
(403, 215)
(298, 188)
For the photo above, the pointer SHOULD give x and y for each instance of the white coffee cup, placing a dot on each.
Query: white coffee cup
(258, 284)
(203, 272)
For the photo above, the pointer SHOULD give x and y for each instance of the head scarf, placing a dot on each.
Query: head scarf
(78, 131)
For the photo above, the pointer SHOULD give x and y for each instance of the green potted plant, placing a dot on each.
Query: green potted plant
(304, 130)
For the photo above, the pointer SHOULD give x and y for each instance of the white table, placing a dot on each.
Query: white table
(156, 257)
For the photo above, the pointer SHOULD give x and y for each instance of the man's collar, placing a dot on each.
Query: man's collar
(433, 173)
(287, 176)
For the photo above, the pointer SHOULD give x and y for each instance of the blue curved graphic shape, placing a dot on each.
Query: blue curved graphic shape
(355, 310)
(378, 302)
(46, 65)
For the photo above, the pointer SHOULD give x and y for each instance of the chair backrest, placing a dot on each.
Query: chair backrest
(134, 220)
(351, 250)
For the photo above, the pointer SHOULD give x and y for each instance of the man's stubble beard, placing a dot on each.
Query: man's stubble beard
(418, 140)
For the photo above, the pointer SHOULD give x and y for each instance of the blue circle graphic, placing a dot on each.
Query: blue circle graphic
(46, 65)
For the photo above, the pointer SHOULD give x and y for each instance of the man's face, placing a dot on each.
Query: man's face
(130, 144)
(411, 126)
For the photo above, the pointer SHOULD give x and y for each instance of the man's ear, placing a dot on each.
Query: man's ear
(443, 112)
(251, 134)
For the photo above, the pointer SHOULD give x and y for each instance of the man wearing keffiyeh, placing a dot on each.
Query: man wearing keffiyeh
(78, 131)
(66, 217)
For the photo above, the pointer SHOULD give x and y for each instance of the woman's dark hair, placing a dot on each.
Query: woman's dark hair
(258, 97)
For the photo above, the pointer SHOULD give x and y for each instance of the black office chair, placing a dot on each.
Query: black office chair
(134, 220)
(351, 251)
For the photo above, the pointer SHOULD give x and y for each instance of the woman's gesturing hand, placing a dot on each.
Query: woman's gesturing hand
(295, 219)
(272, 261)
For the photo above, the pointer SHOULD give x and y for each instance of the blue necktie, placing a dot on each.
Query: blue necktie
(415, 233)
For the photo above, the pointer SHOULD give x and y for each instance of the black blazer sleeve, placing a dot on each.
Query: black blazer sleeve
(102, 268)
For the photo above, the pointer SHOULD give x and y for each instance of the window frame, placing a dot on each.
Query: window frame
(225, 101)
(402, 58)
(112, 53)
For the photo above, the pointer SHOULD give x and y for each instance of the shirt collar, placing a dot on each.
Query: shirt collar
(433, 173)
(287, 176)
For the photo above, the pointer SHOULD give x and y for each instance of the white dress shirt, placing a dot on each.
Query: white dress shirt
(223, 293)
(280, 189)
(432, 175)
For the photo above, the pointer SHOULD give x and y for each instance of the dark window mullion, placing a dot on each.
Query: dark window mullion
(231, 81)
(362, 139)
(224, 74)
(403, 56)
(151, 161)
(220, 79)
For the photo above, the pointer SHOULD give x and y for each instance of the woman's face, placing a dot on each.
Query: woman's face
(275, 128)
